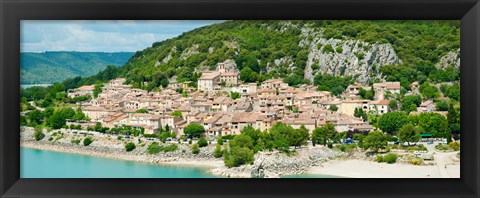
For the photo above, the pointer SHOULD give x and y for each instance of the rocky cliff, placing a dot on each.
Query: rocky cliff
(345, 57)
(451, 59)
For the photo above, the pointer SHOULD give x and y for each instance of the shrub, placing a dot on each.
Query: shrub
(339, 49)
(454, 146)
(442, 147)
(327, 49)
(195, 149)
(170, 148)
(415, 160)
(238, 156)
(218, 151)
(130, 146)
(390, 158)
(38, 134)
(87, 141)
(220, 141)
(50, 139)
(189, 141)
(154, 148)
(330, 145)
(202, 142)
(119, 137)
(379, 158)
(341, 147)
(75, 142)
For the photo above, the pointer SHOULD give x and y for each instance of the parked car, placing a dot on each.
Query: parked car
(348, 141)
(430, 142)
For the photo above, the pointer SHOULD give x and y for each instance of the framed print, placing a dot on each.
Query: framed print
(209, 98)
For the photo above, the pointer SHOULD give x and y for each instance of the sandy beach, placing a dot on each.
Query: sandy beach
(367, 169)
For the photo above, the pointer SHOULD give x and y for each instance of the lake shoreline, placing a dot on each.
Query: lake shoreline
(308, 161)
(271, 164)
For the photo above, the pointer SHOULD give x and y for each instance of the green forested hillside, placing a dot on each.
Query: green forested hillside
(51, 67)
(255, 45)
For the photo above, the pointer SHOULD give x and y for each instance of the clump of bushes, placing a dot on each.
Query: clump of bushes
(50, 139)
(454, 146)
(38, 134)
(327, 49)
(75, 142)
(330, 145)
(341, 147)
(390, 158)
(130, 146)
(218, 151)
(445, 147)
(202, 142)
(195, 148)
(339, 49)
(154, 148)
(346, 147)
(379, 158)
(415, 160)
(87, 141)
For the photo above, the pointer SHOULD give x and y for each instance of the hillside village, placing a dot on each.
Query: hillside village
(211, 105)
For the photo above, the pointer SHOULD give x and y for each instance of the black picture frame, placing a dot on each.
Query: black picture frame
(12, 11)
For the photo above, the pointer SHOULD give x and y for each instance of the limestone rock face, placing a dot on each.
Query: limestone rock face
(230, 64)
(451, 59)
(348, 57)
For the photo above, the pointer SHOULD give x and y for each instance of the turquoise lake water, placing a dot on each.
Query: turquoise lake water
(48, 164)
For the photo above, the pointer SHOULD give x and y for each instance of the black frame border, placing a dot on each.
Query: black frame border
(12, 11)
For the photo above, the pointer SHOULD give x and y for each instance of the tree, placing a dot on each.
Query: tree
(374, 141)
(248, 75)
(452, 115)
(333, 107)
(79, 115)
(434, 123)
(67, 113)
(392, 121)
(324, 134)
(410, 103)
(300, 136)
(141, 111)
(56, 121)
(177, 114)
(217, 153)
(194, 130)
(442, 105)
(428, 91)
(408, 133)
(130, 146)
(97, 90)
(87, 141)
(234, 95)
(35, 116)
(360, 113)
(202, 142)
(243, 141)
(392, 104)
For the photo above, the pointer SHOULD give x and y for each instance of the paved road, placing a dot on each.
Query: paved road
(39, 108)
(441, 159)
